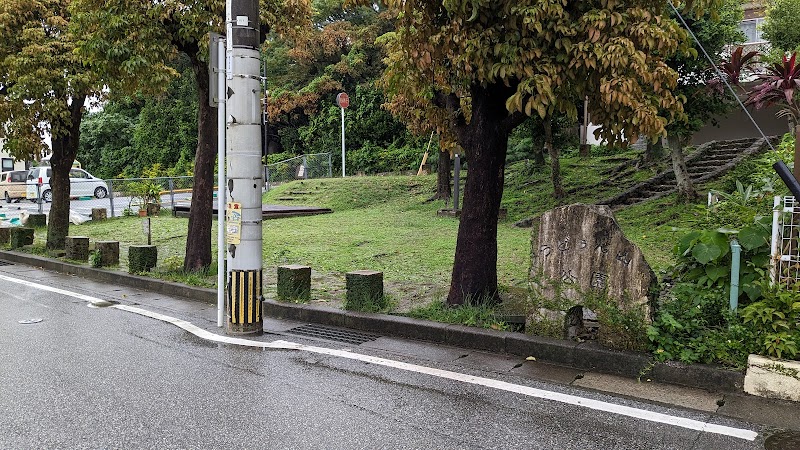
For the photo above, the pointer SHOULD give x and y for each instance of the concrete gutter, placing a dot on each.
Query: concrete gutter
(586, 356)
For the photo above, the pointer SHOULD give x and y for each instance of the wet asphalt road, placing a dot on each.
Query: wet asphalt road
(104, 378)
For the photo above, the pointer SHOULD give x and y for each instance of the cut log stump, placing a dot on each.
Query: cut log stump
(77, 248)
(294, 282)
(365, 291)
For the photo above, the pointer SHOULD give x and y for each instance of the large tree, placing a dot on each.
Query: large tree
(43, 88)
(338, 54)
(134, 40)
(714, 31)
(484, 65)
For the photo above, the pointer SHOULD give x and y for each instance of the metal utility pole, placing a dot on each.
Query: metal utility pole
(244, 172)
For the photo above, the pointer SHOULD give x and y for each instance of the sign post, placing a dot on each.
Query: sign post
(343, 101)
(217, 63)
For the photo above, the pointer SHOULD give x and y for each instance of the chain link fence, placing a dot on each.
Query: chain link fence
(317, 165)
(118, 196)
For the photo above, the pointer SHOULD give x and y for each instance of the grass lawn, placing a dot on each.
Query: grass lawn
(385, 223)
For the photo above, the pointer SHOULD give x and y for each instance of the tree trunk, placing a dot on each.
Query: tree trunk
(443, 191)
(485, 140)
(198, 245)
(654, 151)
(64, 140)
(538, 151)
(686, 190)
(555, 163)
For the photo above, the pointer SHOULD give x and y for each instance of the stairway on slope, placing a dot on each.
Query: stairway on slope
(709, 161)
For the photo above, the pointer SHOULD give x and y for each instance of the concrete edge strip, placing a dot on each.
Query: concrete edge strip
(574, 400)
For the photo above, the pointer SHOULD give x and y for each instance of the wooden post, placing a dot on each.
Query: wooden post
(77, 248)
(36, 220)
(21, 236)
(109, 253)
(294, 282)
(99, 214)
(365, 291)
(142, 258)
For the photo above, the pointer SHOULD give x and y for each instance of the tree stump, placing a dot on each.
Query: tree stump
(21, 236)
(365, 291)
(142, 258)
(99, 214)
(294, 282)
(5, 235)
(77, 248)
(36, 220)
(109, 253)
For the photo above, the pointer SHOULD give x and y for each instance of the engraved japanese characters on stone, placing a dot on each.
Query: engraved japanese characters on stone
(588, 252)
(563, 245)
(568, 277)
(599, 280)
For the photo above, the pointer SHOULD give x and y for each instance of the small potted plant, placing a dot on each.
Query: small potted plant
(148, 195)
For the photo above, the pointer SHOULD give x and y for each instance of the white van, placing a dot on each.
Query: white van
(81, 182)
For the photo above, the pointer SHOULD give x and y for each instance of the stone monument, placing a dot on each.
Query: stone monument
(580, 249)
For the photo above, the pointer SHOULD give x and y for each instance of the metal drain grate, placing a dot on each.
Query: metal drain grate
(5, 263)
(786, 440)
(334, 334)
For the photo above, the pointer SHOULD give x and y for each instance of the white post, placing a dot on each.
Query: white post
(777, 209)
(342, 141)
(221, 184)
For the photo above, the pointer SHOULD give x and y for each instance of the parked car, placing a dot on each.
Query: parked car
(81, 182)
(12, 185)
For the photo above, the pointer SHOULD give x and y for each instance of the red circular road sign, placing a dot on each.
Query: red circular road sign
(342, 100)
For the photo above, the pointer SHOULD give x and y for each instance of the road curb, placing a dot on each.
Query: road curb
(113, 276)
(588, 356)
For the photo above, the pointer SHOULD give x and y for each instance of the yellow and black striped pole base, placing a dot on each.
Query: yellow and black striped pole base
(244, 302)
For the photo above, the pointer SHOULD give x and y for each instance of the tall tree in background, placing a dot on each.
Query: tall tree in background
(484, 65)
(43, 88)
(133, 41)
(339, 54)
(143, 135)
(780, 25)
(702, 105)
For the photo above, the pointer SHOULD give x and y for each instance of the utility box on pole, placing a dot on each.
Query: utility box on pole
(244, 174)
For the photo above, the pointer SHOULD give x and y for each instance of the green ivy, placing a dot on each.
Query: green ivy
(697, 327)
(775, 321)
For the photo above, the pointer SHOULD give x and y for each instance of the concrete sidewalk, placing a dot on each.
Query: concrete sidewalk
(586, 365)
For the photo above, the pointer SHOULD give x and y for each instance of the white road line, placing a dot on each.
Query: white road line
(446, 374)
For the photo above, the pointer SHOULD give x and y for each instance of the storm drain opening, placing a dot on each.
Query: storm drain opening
(6, 263)
(334, 334)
